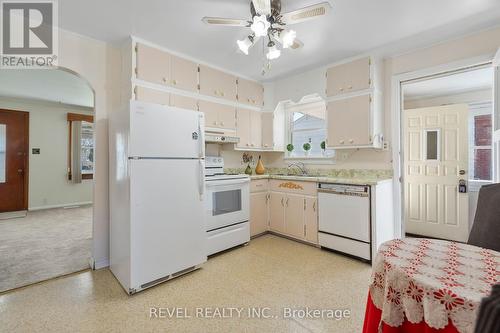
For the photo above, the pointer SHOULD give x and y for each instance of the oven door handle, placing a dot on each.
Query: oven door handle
(201, 179)
(211, 183)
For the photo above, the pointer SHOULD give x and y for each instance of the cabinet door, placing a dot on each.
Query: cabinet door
(268, 130)
(294, 215)
(184, 74)
(152, 65)
(243, 127)
(152, 96)
(250, 92)
(335, 80)
(258, 213)
(255, 129)
(227, 116)
(311, 219)
(183, 102)
(359, 75)
(277, 212)
(211, 113)
(358, 121)
(217, 84)
(337, 118)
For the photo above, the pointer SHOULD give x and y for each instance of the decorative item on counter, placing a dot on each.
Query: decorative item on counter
(259, 169)
(290, 148)
(323, 147)
(307, 147)
(247, 159)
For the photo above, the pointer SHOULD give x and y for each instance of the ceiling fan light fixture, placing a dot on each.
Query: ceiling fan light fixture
(288, 38)
(260, 25)
(245, 44)
(272, 51)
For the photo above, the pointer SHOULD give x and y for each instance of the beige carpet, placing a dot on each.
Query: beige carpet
(43, 245)
(270, 272)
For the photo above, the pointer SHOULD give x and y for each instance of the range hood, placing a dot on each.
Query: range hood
(219, 138)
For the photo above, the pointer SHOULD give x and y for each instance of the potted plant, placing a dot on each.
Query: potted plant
(247, 159)
(290, 148)
(323, 147)
(307, 147)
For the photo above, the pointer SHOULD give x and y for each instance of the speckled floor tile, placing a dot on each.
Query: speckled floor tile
(271, 273)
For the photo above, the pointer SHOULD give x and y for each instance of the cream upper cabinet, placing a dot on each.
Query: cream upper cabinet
(311, 219)
(294, 215)
(349, 77)
(250, 92)
(184, 102)
(277, 212)
(249, 129)
(152, 96)
(184, 74)
(267, 130)
(218, 115)
(255, 129)
(217, 83)
(243, 127)
(349, 122)
(152, 65)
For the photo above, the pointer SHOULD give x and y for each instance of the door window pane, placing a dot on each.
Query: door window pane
(432, 145)
(3, 144)
(87, 153)
(226, 202)
(482, 164)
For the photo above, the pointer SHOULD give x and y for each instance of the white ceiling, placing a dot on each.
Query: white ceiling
(470, 81)
(47, 85)
(352, 27)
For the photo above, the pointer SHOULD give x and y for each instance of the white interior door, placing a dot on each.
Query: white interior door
(496, 119)
(435, 162)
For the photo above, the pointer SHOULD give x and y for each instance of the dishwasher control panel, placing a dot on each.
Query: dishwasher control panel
(353, 190)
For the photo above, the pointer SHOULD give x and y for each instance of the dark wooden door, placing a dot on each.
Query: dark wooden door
(13, 160)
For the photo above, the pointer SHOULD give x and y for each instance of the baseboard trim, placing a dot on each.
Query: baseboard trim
(13, 215)
(98, 264)
(67, 205)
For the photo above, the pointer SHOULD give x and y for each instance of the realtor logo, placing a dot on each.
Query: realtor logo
(29, 34)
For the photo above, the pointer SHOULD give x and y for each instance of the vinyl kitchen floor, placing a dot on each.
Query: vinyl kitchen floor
(270, 273)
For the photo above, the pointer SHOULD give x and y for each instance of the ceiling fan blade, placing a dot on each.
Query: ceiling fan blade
(306, 13)
(297, 44)
(225, 21)
(262, 7)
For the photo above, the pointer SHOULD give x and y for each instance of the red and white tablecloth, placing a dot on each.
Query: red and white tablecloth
(423, 285)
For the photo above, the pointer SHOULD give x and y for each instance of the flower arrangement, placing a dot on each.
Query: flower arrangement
(247, 159)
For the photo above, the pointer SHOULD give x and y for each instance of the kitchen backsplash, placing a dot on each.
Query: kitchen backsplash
(336, 173)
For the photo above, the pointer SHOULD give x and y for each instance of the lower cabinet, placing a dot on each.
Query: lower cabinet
(292, 209)
(258, 213)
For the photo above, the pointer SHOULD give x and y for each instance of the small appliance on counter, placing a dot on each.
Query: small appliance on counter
(227, 207)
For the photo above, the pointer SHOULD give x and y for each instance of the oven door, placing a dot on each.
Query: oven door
(227, 202)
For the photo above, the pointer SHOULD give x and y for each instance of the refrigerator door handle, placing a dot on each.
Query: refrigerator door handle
(201, 133)
(201, 180)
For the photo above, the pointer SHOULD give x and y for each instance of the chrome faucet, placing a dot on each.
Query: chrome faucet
(298, 165)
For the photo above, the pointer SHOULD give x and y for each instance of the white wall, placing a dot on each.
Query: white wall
(48, 130)
(99, 64)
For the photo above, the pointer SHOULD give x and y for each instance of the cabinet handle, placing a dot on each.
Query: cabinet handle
(350, 87)
(341, 142)
(314, 206)
(174, 82)
(248, 100)
(216, 92)
(351, 141)
(282, 202)
(222, 123)
(248, 144)
(287, 199)
(265, 145)
(252, 145)
(164, 79)
(215, 123)
(341, 89)
(221, 93)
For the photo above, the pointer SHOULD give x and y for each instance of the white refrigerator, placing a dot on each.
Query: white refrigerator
(156, 194)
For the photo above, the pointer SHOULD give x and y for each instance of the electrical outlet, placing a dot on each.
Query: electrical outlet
(386, 146)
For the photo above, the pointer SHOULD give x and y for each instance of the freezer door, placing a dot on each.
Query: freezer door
(167, 132)
(167, 218)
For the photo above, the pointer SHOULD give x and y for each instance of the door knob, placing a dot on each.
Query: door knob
(19, 170)
(462, 172)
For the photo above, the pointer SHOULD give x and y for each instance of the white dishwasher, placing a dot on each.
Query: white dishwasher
(344, 219)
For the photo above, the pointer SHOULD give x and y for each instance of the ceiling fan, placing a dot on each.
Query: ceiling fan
(268, 21)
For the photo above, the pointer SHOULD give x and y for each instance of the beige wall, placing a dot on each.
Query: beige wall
(48, 130)
(99, 64)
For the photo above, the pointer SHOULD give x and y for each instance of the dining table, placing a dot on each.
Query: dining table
(421, 285)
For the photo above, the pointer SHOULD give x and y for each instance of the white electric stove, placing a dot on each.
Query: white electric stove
(227, 207)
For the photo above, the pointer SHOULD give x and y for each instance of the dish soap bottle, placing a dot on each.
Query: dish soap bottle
(259, 169)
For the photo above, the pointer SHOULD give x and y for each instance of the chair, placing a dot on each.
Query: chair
(486, 228)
